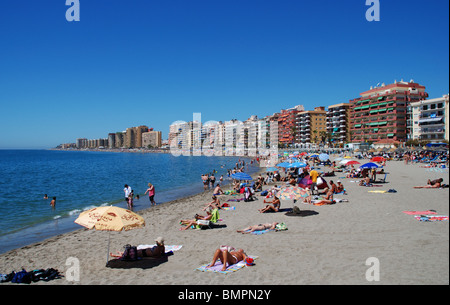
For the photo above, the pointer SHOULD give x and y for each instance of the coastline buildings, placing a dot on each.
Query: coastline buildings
(392, 114)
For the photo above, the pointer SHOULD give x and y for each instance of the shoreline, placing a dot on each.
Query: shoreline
(64, 223)
(330, 246)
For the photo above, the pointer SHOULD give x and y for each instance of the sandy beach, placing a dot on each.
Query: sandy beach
(328, 246)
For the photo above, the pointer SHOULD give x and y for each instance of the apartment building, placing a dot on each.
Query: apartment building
(151, 139)
(311, 126)
(381, 112)
(287, 125)
(338, 124)
(430, 119)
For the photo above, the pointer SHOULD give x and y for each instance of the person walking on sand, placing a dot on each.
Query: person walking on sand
(151, 194)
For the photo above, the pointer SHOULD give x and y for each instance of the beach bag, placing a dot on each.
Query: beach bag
(264, 193)
(281, 227)
(130, 253)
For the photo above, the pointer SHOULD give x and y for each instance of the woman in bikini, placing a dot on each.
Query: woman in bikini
(260, 227)
(229, 258)
(273, 208)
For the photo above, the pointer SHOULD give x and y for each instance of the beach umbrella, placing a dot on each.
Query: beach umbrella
(313, 156)
(241, 176)
(352, 162)
(292, 193)
(297, 164)
(303, 153)
(378, 159)
(324, 157)
(347, 157)
(110, 218)
(338, 159)
(283, 164)
(370, 165)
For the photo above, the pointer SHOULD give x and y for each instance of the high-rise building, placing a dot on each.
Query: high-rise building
(138, 131)
(429, 119)
(311, 126)
(287, 125)
(381, 112)
(338, 132)
(151, 139)
(111, 140)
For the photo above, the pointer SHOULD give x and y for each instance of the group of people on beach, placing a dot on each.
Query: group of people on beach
(129, 195)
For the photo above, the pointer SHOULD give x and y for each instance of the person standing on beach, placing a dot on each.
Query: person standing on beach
(127, 191)
(151, 193)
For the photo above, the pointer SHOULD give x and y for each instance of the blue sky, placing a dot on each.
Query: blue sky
(129, 63)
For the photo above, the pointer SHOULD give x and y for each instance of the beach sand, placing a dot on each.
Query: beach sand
(330, 246)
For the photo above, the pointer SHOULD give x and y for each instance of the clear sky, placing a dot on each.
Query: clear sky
(151, 62)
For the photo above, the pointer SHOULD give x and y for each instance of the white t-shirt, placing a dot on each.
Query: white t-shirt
(127, 191)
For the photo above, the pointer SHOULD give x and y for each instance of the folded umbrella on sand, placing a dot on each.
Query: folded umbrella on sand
(110, 218)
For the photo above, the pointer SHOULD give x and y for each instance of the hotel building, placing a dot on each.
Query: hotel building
(381, 112)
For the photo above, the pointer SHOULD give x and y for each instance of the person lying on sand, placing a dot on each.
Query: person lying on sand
(275, 207)
(156, 251)
(229, 258)
(431, 184)
(190, 222)
(260, 227)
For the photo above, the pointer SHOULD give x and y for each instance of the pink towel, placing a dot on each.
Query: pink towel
(419, 212)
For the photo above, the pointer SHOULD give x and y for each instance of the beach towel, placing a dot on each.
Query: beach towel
(236, 200)
(229, 208)
(420, 212)
(167, 249)
(431, 217)
(217, 268)
(260, 232)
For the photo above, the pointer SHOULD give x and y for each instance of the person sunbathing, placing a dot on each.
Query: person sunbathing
(230, 258)
(275, 207)
(260, 227)
(193, 222)
(157, 250)
(431, 184)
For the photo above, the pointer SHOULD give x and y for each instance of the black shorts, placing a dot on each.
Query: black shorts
(151, 198)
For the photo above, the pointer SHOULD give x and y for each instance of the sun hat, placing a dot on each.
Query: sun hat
(160, 240)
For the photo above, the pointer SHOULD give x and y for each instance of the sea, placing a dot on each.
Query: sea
(81, 180)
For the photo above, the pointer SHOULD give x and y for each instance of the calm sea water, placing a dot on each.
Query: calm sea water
(82, 180)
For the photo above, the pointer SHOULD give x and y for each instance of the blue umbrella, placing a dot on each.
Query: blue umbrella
(283, 164)
(314, 156)
(241, 176)
(297, 164)
(370, 165)
(324, 157)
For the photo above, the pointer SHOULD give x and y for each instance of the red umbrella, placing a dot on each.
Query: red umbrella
(378, 159)
(352, 162)
(303, 153)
